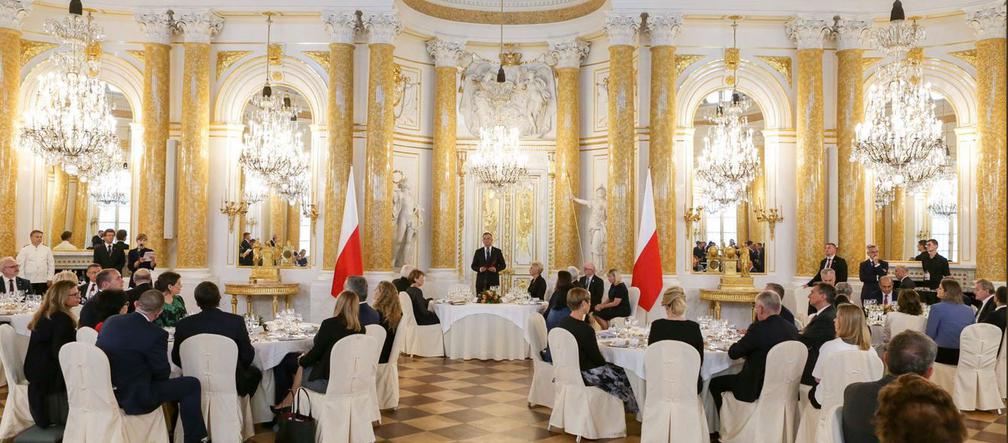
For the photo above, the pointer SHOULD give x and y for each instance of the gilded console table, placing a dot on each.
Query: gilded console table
(718, 296)
(249, 290)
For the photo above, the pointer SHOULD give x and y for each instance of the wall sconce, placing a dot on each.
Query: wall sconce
(771, 218)
(692, 216)
(232, 209)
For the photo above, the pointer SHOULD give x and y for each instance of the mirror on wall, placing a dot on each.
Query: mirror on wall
(271, 221)
(737, 224)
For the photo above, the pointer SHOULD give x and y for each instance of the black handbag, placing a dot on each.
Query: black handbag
(295, 427)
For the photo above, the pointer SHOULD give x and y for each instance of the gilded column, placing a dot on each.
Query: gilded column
(444, 164)
(278, 218)
(620, 223)
(82, 235)
(566, 178)
(157, 24)
(342, 27)
(897, 235)
(989, 24)
(193, 151)
(663, 29)
(58, 221)
(849, 112)
(11, 13)
(382, 27)
(293, 234)
(810, 161)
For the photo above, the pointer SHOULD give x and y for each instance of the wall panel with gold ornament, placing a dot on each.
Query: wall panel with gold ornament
(600, 99)
(407, 98)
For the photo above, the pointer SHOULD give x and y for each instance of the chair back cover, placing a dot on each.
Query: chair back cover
(16, 413)
(377, 332)
(584, 411)
(1001, 369)
(564, 350)
(844, 368)
(13, 364)
(387, 376)
(834, 418)
(672, 409)
(902, 323)
(634, 298)
(87, 335)
(349, 405)
(407, 310)
(774, 416)
(212, 359)
(978, 350)
(535, 335)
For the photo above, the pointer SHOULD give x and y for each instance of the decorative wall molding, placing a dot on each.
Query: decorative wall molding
(622, 28)
(683, 61)
(967, 55)
(136, 53)
(407, 100)
(32, 48)
(781, 64)
(532, 105)
(663, 28)
(320, 57)
(807, 31)
(227, 58)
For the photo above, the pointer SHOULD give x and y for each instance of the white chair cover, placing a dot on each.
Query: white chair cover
(797, 301)
(841, 369)
(378, 333)
(212, 359)
(346, 411)
(541, 390)
(388, 373)
(1000, 369)
(584, 411)
(900, 323)
(95, 416)
(944, 376)
(634, 298)
(773, 418)
(672, 410)
(16, 415)
(87, 335)
(978, 349)
(425, 341)
(834, 422)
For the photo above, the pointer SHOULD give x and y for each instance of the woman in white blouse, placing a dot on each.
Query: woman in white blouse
(852, 334)
(909, 314)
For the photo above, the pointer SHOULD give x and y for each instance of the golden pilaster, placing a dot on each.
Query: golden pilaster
(566, 176)
(81, 232)
(663, 29)
(377, 244)
(992, 157)
(897, 233)
(341, 26)
(58, 221)
(278, 219)
(293, 217)
(444, 162)
(10, 73)
(849, 112)
(810, 162)
(620, 222)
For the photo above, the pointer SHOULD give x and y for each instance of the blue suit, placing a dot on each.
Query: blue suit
(367, 314)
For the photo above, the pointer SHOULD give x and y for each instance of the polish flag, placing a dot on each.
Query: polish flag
(349, 261)
(647, 271)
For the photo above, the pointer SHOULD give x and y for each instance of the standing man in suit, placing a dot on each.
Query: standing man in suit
(902, 278)
(245, 250)
(37, 264)
(820, 328)
(358, 285)
(142, 281)
(983, 294)
(768, 330)
(832, 261)
(870, 271)
(107, 254)
(909, 352)
(488, 262)
(211, 320)
(592, 283)
(537, 287)
(10, 268)
(89, 288)
(935, 266)
(138, 359)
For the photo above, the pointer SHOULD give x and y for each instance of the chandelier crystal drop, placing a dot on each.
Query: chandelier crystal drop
(112, 187)
(71, 123)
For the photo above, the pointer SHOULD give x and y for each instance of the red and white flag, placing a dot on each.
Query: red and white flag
(647, 271)
(349, 261)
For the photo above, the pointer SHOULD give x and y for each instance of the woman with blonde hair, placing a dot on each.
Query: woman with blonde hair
(52, 327)
(389, 314)
(66, 275)
(618, 304)
(676, 326)
(852, 334)
(946, 321)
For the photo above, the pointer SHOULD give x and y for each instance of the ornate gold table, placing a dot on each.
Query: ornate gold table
(249, 290)
(728, 295)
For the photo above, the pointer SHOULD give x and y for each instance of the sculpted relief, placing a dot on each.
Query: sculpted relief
(531, 88)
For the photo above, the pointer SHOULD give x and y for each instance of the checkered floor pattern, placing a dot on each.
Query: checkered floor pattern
(453, 400)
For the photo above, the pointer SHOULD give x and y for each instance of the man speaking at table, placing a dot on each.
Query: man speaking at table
(488, 262)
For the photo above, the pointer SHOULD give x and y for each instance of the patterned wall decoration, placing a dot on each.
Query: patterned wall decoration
(320, 57)
(227, 58)
(407, 98)
(32, 48)
(683, 61)
(781, 64)
(600, 116)
(968, 56)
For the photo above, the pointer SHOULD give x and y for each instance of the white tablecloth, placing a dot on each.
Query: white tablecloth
(485, 331)
(516, 314)
(19, 322)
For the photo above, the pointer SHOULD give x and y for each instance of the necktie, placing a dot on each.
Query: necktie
(10, 286)
(829, 263)
(91, 290)
(486, 252)
(109, 249)
(885, 299)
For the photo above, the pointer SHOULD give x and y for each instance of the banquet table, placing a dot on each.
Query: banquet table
(485, 331)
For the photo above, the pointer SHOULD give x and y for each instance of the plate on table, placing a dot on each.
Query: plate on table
(458, 302)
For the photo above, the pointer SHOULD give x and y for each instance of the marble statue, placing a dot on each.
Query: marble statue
(408, 218)
(596, 225)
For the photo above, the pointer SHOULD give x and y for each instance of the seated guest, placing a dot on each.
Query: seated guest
(592, 283)
(137, 350)
(618, 304)
(903, 279)
(785, 313)
(421, 305)
(767, 331)
(914, 410)
(211, 320)
(887, 294)
(909, 352)
(313, 366)
(594, 369)
(676, 327)
(946, 321)
(537, 286)
(142, 283)
(170, 285)
(389, 314)
(357, 284)
(557, 308)
(999, 316)
(983, 299)
(402, 283)
(107, 304)
(844, 291)
(137, 258)
(52, 326)
(64, 244)
(89, 287)
(106, 280)
(909, 312)
(852, 335)
(574, 273)
(820, 328)
(829, 278)
(9, 269)
(66, 275)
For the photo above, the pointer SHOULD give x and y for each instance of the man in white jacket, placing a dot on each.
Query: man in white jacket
(37, 264)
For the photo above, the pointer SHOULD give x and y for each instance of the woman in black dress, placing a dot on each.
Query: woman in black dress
(423, 314)
(537, 286)
(676, 327)
(557, 308)
(618, 304)
(389, 313)
(52, 327)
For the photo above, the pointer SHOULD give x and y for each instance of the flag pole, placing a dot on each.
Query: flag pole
(577, 226)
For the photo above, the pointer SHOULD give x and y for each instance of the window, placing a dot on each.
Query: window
(721, 228)
(114, 217)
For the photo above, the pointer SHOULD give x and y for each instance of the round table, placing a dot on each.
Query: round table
(485, 331)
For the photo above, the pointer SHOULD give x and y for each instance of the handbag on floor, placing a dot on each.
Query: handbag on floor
(295, 427)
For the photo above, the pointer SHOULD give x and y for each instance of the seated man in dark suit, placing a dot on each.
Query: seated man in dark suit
(138, 359)
(903, 280)
(593, 283)
(785, 313)
(358, 285)
(9, 269)
(820, 328)
(211, 320)
(908, 352)
(89, 287)
(142, 280)
(106, 279)
(999, 316)
(402, 283)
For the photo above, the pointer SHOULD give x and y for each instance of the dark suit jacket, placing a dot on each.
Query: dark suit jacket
(869, 276)
(819, 330)
(21, 284)
(839, 265)
(215, 321)
(997, 317)
(486, 279)
(786, 314)
(330, 332)
(137, 254)
(594, 287)
(907, 283)
(248, 259)
(423, 315)
(937, 268)
(367, 315)
(401, 284)
(859, 407)
(138, 355)
(115, 260)
(89, 313)
(537, 287)
(84, 291)
(754, 346)
(133, 294)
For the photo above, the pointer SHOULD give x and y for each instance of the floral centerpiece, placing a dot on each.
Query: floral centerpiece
(489, 296)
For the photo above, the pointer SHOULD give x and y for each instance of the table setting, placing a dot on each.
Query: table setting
(18, 309)
(486, 326)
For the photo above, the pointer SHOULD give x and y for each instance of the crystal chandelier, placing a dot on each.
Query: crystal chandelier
(900, 139)
(498, 160)
(942, 198)
(71, 124)
(729, 161)
(111, 188)
(254, 190)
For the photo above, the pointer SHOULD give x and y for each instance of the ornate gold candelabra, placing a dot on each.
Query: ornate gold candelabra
(232, 209)
(771, 217)
(310, 210)
(691, 216)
